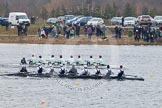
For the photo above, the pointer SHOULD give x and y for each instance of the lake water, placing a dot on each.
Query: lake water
(145, 61)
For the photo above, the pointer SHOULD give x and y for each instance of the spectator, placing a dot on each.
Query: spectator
(89, 31)
(72, 32)
(78, 30)
(119, 32)
(19, 29)
(42, 32)
(98, 30)
(64, 30)
(122, 21)
(85, 29)
(33, 19)
(54, 31)
(116, 32)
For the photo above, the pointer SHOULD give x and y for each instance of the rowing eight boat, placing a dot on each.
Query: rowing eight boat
(48, 75)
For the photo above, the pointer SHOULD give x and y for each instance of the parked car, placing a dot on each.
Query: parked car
(158, 20)
(61, 19)
(130, 21)
(83, 20)
(4, 21)
(68, 17)
(51, 20)
(145, 20)
(116, 21)
(95, 21)
(71, 21)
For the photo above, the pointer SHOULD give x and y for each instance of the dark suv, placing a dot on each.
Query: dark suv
(4, 22)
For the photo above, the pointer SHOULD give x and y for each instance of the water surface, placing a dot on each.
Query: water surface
(144, 61)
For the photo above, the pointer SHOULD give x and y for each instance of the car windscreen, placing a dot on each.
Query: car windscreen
(129, 19)
(22, 17)
(117, 18)
(158, 18)
(145, 16)
(95, 19)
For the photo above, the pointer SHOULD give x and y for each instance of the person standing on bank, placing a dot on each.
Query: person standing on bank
(122, 21)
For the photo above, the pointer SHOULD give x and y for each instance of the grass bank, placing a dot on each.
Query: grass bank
(82, 40)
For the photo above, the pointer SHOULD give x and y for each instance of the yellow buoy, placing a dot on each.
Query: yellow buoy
(43, 102)
(76, 83)
(152, 75)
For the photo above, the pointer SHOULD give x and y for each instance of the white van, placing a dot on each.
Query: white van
(16, 18)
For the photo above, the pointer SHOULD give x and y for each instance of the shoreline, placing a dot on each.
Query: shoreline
(82, 40)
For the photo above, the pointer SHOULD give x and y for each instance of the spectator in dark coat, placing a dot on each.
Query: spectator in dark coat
(78, 30)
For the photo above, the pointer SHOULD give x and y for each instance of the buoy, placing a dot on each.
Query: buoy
(43, 102)
(77, 83)
(152, 75)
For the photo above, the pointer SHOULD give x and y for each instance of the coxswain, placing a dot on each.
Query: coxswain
(39, 69)
(33, 60)
(62, 70)
(71, 60)
(79, 61)
(61, 61)
(85, 71)
(120, 72)
(23, 69)
(97, 71)
(73, 71)
(52, 60)
(23, 61)
(41, 60)
(109, 72)
(90, 61)
(100, 61)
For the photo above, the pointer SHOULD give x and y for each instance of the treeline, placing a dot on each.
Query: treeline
(99, 8)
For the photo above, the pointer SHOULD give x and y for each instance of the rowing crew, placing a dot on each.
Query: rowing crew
(73, 71)
(70, 61)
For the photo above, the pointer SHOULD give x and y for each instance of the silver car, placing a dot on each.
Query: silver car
(158, 20)
(130, 21)
(116, 21)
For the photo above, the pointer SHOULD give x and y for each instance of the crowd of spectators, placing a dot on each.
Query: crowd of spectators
(72, 31)
(146, 33)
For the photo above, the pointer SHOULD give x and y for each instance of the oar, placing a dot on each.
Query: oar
(131, 75)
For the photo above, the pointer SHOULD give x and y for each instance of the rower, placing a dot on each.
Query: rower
(23, 69)
(90, 61)
(73, 71)
(61, 61)
(39, 69)
(51, 71)
(100, 61)
(120, 72)
(97, 71)
(85, 71)
(109, 72)
(62, 70)
(52, 60)
(23, 61)
(41, 60)
(71, 60)
(32, 61)
(79, 61)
